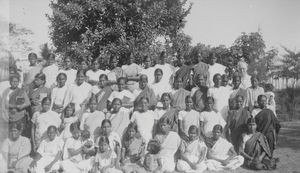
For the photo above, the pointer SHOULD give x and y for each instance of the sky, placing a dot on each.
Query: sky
(212, 22)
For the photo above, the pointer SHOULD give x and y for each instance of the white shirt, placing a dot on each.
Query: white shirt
(94, 75)
(71, 75)
(51, 73)
(221, 96)
(121, 95)
(149, 72)
(58, 96)
(77, 94)
(189, 118)
(210, 119)
(214, 69)
(49, 148)
(145, 122)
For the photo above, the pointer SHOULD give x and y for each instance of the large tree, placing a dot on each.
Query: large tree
(109, 27)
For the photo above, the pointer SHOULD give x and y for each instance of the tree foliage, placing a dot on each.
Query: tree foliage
(114, 27)
(290, 64)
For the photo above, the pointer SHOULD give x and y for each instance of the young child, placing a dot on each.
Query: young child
(74, 152)
(192, 153)
(49, 153)
(152, 161)
(68, 117)
(88, 144)
(41, 121)
(144, 119)
(59, 93)
(125, 95)
(105, 159)
(92, 119)
(270, 97)
(221, 154)
(188, 117)
(209, 118)
(118, 116)
(133, 149)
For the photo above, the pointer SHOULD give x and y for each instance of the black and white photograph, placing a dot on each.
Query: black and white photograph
(149, 86)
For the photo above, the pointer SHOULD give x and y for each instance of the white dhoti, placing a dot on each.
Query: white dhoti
(234, 163)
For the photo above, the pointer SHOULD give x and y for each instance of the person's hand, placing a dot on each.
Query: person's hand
(48, 168)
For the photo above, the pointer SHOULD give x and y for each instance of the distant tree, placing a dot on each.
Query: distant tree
(250, 46)
(93, 28)
(199, 49)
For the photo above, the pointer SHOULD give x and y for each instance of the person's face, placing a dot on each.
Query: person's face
(236, 82)
(165, 102)
(51, 61)
(254, 82)
(216, 134)
(93, 105)
(210, 104)
(80, 78)
(68, 63)
(114, 63)
(158, 75)
(131, 133)
(76, 134)
(178, 83)
(243, 70)
(14, 83)
(180, 60)
(239, 102)
(106, 128)
(69, 112)
(165, 128)
(116, 105)
(199, 57)
(252, 127)
(51, 134)
(32, 60)
(103, 146)
(14, 134)
(147, 63)
(193, 135)
(38, 82)
(143, 83)
(95, 65)
(121, 85)
(131, 59)
(218, 80)
(189, 104)
(225, 81)
(61, 80)
(201, 80)
(102, 82)
(213, 59)
(144, 105)
(262, 102)
(83, 65)
(46, 105)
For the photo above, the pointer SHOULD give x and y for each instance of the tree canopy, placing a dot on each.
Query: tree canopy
(114, 27)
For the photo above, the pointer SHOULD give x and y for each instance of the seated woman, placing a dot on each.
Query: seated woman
(267, 122)
(74, 151)
(15, 151)
(125, 95)
(68, 117)
(145, 91)
(221, 154)
(133, 150)
(58, 94)
(179, 94)
(255, 149)
(170, 142)
(102, 92)
(159, 86)
(118, 116)
(236, 122)
(49, 153)
(192, 153)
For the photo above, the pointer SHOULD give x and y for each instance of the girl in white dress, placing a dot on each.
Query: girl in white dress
(79, 92)
(144, 119)
(59, 93)
(159, 86)
(209, 118)
(68, 117)
(105, 159)
(94, 73)
(49, 153)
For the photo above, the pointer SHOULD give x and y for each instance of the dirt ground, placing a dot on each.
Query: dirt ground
(288, 150)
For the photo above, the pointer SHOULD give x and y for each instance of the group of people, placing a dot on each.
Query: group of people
(136, 118)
